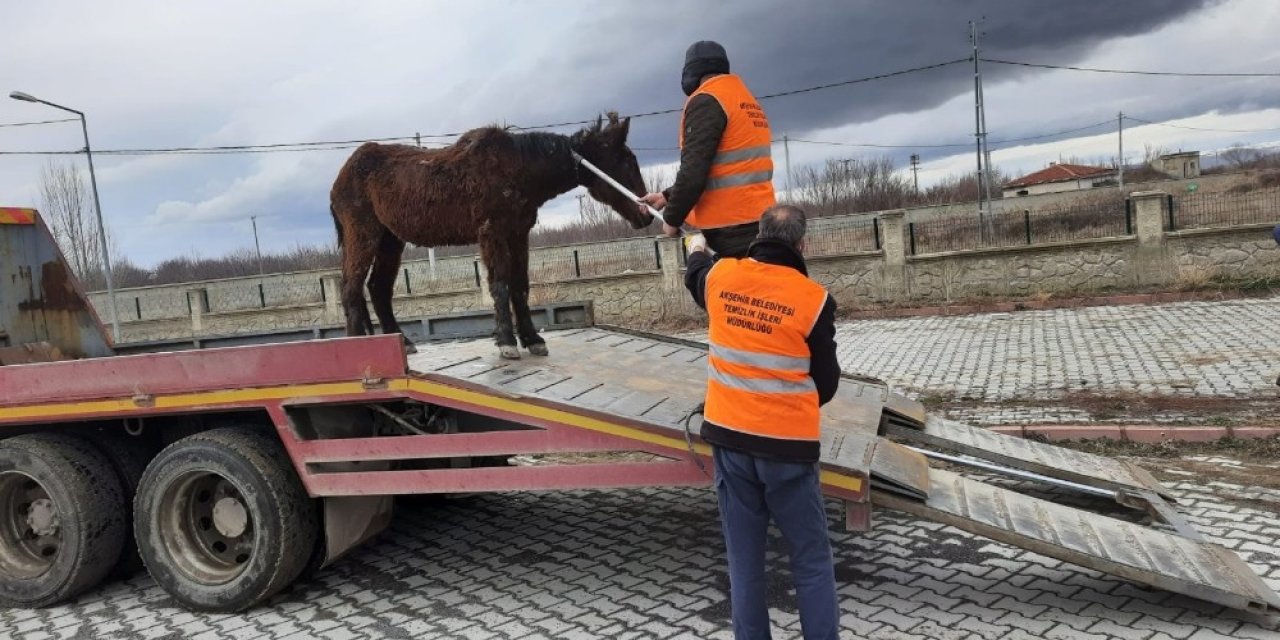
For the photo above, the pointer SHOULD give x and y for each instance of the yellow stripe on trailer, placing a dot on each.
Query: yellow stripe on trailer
(17, 215)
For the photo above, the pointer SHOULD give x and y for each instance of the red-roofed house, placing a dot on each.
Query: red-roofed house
(1061, 177)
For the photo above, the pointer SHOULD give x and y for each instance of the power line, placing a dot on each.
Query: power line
(1182, 126)
(28, 124)
(1186, 74)
(332, 143)
(947, 146)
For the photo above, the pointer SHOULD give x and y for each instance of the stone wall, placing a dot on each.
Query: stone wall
(652, 288)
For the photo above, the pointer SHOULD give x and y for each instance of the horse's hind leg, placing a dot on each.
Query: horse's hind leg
(529, 337)
(496, 252)
(358, 250)
(382, 282)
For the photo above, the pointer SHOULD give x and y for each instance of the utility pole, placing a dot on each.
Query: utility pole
(915, 171)
(986, 148)
(1120, 126)
(417, 138)
(786, 154)
(977, 121)
(256, 245)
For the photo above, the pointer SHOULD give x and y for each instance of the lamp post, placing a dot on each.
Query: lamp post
(97, 208)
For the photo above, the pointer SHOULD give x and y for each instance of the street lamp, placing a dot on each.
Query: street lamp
(97, 207)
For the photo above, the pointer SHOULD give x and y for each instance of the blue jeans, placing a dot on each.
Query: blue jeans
(751, 490)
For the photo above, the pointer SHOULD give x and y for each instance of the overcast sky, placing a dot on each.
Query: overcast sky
(173, 74)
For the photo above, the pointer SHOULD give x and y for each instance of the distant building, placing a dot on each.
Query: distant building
(1183, 164)
(1061, 177)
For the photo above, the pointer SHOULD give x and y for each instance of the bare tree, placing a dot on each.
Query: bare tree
(65, 205)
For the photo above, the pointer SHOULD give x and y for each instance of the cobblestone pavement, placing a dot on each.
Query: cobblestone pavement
(648, 564)
(1219, 349)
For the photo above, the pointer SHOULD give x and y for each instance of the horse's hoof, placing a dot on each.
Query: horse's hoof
(538, 349)
(508, 352)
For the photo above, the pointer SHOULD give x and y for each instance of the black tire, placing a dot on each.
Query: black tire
(46, 559)
(230, 560)
(129, 457)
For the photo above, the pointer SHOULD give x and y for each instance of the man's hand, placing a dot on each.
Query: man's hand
(655, 200)
(670, 231)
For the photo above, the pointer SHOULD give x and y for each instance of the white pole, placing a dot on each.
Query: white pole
(431, 256)
(1120, 124)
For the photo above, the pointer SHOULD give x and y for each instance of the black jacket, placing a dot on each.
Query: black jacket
(704, 125)
(824, 368)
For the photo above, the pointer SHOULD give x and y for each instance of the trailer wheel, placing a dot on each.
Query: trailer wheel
(222, 521)
(62, 518)
(129, 457)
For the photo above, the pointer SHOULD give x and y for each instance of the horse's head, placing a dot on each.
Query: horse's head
(605, 146)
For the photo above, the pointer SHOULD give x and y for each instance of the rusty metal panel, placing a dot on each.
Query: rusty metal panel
(40, 298)
(1029, 455)
(1157, 558)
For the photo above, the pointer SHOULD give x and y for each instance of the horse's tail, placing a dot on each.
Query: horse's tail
(337, 225)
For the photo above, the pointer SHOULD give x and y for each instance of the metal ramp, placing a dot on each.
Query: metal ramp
(653, 382)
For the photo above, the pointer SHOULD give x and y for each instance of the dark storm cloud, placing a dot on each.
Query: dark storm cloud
(779, 46)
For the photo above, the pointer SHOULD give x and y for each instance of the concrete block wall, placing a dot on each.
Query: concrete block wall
(654, 288)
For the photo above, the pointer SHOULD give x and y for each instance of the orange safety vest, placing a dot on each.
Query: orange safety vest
(740, 186)
(758, 367)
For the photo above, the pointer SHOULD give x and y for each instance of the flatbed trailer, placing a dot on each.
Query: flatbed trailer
(240, 470)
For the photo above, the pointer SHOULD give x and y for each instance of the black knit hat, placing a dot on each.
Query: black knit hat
(702, 58)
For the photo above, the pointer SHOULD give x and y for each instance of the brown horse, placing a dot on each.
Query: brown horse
(484, 189)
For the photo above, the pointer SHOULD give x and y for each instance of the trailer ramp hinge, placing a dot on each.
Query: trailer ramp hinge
(144, 400)
(373, 383)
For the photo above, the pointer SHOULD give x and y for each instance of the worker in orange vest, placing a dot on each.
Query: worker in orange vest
(771, 365)
(725, 180)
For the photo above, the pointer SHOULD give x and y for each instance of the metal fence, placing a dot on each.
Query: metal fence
(1021, 228)
(1224, 209)
(843, 236)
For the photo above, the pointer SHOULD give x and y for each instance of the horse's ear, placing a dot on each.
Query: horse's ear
(622, 129)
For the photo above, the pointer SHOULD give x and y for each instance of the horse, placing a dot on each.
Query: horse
(484, 189)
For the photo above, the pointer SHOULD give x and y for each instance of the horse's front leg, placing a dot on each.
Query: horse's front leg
(529, 337)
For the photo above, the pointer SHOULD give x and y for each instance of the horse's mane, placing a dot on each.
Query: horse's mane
(540, 145)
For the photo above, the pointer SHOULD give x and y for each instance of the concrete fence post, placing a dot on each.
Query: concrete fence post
(198, 300)
(669, 260)
(1150, 263)
(894, 245)
(1150, 210)
(331, 289)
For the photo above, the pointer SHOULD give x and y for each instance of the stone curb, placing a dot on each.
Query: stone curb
(1040, 305)
(1139, 433)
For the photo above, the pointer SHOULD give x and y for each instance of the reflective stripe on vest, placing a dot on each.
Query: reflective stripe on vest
(740, 185)
(758, 382)
(765, 360)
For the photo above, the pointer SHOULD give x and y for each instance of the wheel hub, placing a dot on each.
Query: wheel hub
(207, 527)
(30, 531)
(230, 517)
(42, 517)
